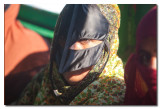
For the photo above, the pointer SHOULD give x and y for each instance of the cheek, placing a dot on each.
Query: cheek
(153, 63)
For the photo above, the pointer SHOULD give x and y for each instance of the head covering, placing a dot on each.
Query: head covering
(141, 81)
(78, 22)
(147, 27)
(86, 22)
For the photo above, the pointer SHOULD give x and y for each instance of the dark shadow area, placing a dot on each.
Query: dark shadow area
(19, 77)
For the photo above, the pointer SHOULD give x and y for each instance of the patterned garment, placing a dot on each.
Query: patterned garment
(108, 89)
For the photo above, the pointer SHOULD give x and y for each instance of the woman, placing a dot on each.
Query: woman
(84, 68)
(140, 70)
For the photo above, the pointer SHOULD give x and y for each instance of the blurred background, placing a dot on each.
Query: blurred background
(42, 19)
(28, 37)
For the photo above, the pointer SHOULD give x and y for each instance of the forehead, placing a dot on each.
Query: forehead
(149, 44)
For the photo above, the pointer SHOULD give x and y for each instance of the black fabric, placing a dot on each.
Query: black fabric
(79, 22)
(81, 58)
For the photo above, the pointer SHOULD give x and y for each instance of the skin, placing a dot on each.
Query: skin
(83, 44)
(148, 52)
(76, 76)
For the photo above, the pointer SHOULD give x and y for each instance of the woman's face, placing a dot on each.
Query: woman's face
(76, 76)
(148, 52)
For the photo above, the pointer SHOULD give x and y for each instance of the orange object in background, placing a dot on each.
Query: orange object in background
(26, 52)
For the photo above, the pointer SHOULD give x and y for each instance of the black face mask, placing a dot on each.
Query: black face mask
(79, 22)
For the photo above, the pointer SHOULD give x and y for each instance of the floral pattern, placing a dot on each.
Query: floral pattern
(109, 89)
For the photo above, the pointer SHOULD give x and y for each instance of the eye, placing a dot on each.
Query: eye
(144, 57)
(83, 44)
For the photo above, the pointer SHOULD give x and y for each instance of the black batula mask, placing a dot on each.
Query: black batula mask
(79, 22)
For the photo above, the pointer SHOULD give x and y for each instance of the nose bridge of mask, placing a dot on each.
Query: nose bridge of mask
(82, 17)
